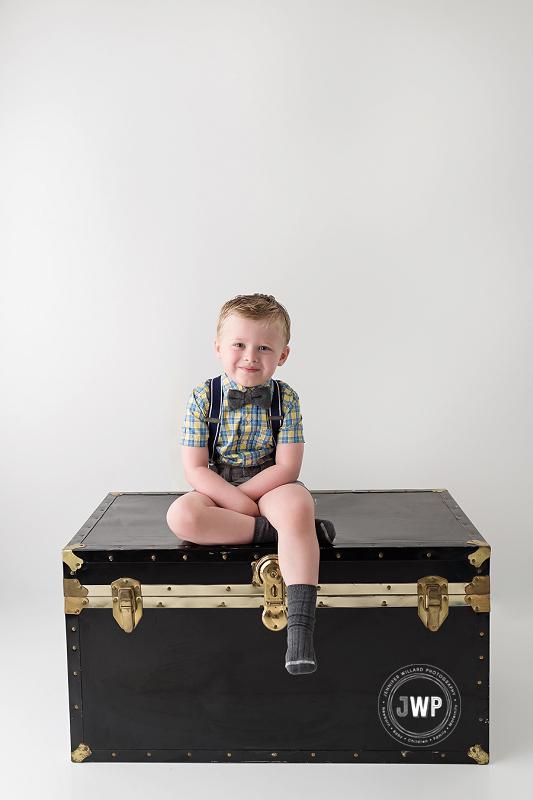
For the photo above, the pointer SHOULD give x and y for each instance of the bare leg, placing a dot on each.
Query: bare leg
(197, 518)
(290, 509)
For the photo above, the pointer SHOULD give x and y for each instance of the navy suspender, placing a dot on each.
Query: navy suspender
(213, 422)
(275, 418)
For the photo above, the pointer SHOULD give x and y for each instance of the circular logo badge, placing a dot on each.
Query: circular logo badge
(419, 705)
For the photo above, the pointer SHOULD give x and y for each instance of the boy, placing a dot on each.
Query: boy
(250, 492)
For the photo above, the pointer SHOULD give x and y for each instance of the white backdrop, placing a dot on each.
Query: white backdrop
(368, 162)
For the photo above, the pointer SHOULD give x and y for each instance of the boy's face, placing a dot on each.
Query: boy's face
(250, 351)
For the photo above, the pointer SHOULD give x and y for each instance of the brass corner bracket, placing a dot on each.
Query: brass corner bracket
(71, 559)
(478, 754)
(81, 752)
(75, 596)
(481, 554)
(478, 593)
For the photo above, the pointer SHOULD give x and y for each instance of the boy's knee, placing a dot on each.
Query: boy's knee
(184, 518)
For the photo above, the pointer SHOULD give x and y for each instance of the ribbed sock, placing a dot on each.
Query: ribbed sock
(301, 604)
(264, 532)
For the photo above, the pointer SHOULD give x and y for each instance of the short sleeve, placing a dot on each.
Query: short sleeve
(291, 430)
(195, 431)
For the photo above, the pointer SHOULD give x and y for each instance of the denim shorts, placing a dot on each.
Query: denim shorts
(238, 475)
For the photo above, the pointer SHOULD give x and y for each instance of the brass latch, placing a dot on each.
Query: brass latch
(432, 601)
(265, 572)
(127, 603)
(478, 593)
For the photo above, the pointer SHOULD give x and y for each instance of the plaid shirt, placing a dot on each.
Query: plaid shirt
(244, 437)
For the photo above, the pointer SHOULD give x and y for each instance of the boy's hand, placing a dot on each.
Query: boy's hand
(244, 504)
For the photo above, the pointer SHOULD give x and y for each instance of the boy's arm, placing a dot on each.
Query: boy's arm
(285, 470)
(208, 482)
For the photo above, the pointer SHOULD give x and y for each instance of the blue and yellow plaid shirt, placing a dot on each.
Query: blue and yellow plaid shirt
(244, 437)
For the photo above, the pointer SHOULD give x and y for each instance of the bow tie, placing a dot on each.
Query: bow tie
(257, 395)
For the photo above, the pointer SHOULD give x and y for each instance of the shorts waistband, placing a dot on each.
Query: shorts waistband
(230, 472)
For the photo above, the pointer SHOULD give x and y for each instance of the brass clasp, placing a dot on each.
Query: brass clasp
(432, 601)
(265, 572)
(127, 603)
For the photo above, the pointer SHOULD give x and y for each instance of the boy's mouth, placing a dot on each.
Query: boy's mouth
(250, 369)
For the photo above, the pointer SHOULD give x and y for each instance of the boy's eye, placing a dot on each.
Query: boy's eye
(238, 344)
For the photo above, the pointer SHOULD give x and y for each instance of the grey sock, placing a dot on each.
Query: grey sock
(301, 605)
(264, 532)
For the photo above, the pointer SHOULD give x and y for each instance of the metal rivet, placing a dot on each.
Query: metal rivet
(184, 556)
(356, 755)
(255, 555)
(115, 599)
(479, 571)
(224, 556)
(110, 558)
(428, 555)
(481, 633)
(228, 588)
(72, 572)
(443, 755)
(228, 755)
(148, 754)
(337, 555)
(383, 602)
(169, 588)
(74, 673)
(74, 647)
(73, 629)
(189, 754)
(274, 755)
(481, 658)
(84, 601)
(480, 719)
(388, 587)
(380, 555)
(479, 683)
(113, 754)
(76, 707)
(404, 753)
(160, 604)
(312, 755)
(153, 558)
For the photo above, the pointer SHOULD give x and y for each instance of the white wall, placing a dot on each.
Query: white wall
(368, 163)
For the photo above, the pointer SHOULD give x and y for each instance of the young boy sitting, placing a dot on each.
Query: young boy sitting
(249, 492)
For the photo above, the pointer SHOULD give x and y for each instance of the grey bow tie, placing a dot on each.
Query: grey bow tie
(257, 395)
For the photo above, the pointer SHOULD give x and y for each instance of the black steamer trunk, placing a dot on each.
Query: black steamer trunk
(176, 652)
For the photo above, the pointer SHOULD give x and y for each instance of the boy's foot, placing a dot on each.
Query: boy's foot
(301, 604)
(325, 531)
(265, 533)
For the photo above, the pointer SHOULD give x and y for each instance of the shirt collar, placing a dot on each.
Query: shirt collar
(227, 383)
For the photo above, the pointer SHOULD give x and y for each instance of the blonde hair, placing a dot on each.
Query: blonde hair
(260, 308)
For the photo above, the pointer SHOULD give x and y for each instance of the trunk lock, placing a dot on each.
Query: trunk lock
(127, 603)
(265, 572)
(432, 601)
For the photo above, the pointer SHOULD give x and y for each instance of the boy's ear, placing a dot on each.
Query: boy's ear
(217, 348)
(284, 355)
